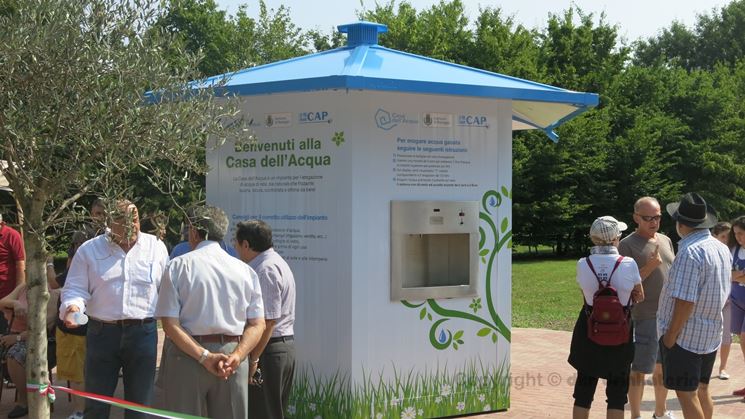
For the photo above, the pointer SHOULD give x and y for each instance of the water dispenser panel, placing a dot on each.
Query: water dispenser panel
(434, 249)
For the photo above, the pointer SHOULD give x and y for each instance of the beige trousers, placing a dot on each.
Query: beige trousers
(189, 388)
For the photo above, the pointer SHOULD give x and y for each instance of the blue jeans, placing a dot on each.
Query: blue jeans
(109, 347)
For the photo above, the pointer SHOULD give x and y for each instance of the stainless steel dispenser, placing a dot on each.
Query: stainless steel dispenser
(434, 249)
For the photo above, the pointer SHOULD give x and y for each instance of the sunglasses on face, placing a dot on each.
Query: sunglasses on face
(649, 218)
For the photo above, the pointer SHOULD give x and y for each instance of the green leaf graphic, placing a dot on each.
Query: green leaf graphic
(483, 332)
(505, 224)
(484, 252)
(458, 335)
(505, 192)
(494, 337)
(422, 313)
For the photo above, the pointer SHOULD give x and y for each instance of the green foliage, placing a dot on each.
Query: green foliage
(716, 38)
(229, 43)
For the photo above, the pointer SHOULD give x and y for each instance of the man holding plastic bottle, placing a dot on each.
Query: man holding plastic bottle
(114, 278)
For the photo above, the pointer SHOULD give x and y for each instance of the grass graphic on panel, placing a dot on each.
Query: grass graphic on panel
(491, 241)
(438, 392)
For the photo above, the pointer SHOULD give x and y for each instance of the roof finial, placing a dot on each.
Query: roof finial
(362, 33)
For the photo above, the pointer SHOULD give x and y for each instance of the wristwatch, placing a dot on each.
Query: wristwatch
(205, 354)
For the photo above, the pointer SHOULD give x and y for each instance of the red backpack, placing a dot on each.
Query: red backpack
(608, 321)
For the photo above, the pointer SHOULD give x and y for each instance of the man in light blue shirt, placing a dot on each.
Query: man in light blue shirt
(690, 314)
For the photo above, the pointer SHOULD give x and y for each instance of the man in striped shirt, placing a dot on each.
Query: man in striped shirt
(690, 314)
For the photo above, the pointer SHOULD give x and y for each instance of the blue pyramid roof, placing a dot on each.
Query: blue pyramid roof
(365, 65)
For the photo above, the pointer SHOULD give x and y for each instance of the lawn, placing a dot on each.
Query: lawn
(545, 294)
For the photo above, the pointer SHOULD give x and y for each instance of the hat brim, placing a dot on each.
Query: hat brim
(709, 222)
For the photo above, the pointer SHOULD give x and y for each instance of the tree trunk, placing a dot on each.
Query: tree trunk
(37, 371)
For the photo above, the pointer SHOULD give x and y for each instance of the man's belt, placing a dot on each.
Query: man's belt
(125, 322)
(276, 339)
(216, 338)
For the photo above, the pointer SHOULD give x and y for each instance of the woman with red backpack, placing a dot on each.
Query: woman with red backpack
(602, 340)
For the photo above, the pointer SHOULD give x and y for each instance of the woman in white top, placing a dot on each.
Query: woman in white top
(593, 361)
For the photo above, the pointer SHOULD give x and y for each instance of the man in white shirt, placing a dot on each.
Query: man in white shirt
(114, 278)
(211, 308)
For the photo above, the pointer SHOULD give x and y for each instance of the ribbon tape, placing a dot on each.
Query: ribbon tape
(49, 391)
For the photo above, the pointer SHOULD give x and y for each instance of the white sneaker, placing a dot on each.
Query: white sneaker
(723, 375)
(667, 415)
(76, 415)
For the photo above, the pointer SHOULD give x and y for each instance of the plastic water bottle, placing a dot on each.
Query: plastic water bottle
(79, 318)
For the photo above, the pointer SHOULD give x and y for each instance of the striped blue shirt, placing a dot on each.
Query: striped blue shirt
(700, 274)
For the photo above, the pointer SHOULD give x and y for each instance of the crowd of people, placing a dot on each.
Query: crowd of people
(120, 281)
(228, 312)
(682, 308)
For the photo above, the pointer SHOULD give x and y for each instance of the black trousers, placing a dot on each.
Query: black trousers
(616, 390)
(277, 363)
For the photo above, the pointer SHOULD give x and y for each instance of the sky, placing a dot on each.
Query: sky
(635, 18)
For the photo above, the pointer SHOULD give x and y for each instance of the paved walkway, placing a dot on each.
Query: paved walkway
(542, 386)
(541, 383)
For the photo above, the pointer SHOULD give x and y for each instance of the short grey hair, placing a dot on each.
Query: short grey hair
(210, 222)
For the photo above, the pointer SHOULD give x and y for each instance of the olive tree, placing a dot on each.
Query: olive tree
(75, 121)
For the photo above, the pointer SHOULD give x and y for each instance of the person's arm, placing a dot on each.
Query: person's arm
(637, 293)
(9, 301)
(255, 324)
(75, 293)
(20, 272)
(259, 349)
(213, 362)
(682, 310)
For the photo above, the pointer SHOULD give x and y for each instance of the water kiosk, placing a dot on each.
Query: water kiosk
(386, 177)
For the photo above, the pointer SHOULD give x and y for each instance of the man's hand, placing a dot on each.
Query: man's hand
(655, 259)
(215, 363)
(231, 364)
(69, 323)
(252, 367)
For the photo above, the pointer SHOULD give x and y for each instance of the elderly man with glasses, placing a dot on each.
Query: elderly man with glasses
(653, 253)
(115, 279)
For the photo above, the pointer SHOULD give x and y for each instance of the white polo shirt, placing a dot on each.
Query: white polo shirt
(210, 292)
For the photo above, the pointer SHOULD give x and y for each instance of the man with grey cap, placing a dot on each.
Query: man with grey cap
(689, 319)
(211, 307)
